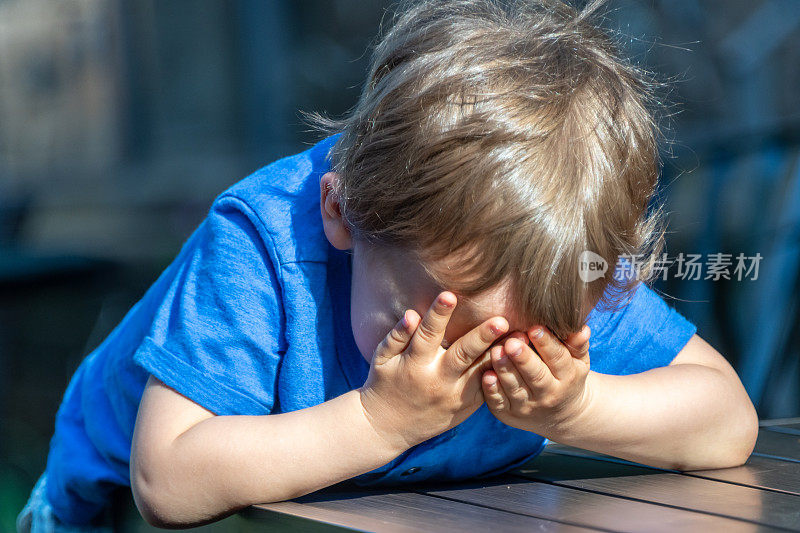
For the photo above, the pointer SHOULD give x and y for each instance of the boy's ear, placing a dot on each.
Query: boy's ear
(333, 224)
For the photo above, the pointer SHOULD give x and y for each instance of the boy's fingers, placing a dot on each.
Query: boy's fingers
(466, 349)
(475, 372)
(429, 334)
(552, 351)
(535, 372)
(578, 344)
(478, 366)
(397, 339)
(492, 394)
(513, 385)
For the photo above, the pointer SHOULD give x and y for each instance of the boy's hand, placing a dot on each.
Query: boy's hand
(416, 389)
(537, 390)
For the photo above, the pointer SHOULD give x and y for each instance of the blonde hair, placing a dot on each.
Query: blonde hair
(509, 138)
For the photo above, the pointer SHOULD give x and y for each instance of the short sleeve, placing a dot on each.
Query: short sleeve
(643, 334)
(217, 334)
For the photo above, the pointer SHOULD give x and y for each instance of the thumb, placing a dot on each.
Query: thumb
(578, 344)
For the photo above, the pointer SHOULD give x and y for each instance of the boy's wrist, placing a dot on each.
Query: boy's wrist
(582, 407)
(578, 415)
(378, 417)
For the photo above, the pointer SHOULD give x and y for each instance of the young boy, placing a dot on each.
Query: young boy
(490, 148)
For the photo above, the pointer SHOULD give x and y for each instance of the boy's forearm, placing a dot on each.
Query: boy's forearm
(225, 463)
(679, 417)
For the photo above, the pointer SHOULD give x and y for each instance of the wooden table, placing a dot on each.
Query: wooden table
(570, 489)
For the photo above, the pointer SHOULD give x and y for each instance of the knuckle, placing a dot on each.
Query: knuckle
(560, 358)
(549, 401)
(519, 395)
(427, 330)
(396, 336)
(582, 349)
(538, 374)
(497, 404)
(461, 355)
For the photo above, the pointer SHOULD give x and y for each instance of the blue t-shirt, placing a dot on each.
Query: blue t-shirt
(252, 317)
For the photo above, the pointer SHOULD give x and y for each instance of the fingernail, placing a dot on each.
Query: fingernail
(491, 381)
(497, 330)
(445, 303)
(536, 333)
(514, 347)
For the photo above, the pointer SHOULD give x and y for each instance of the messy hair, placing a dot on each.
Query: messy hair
(508, 138)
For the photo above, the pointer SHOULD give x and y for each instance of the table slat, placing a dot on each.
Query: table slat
(584, 508)
(792, 429)
(779, 421)
(776, 444)
(406, 512)
(667, 488)
(758, 472)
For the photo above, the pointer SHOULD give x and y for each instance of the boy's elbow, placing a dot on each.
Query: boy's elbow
(152, 508)
(163, 493)
(743, 441)
(157, 509)
(740, 446)
(741, 449)
(153, 496)
(747, 442)
(741, 432)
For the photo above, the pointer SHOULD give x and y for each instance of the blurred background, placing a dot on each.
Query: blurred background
(120, 121)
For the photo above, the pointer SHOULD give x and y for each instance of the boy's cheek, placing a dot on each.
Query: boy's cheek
(366, 342)
(369, 331)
